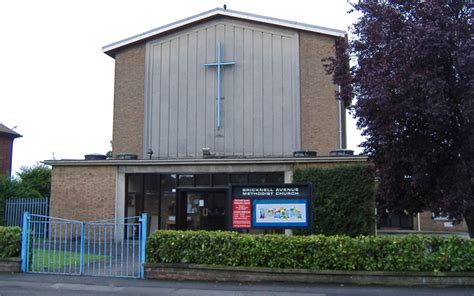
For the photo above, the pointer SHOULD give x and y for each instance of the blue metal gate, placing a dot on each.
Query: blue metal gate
(100, 248)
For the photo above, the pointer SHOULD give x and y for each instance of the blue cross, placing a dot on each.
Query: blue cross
(219, 64)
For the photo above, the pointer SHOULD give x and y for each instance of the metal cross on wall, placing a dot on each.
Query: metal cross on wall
(218, 65)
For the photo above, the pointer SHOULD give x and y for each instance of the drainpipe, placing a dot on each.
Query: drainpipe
(375, 211)
(418, 218)
(289, 180)
(340, 118)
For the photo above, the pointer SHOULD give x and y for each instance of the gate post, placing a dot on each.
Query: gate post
(81, 266)
(143, 220)
(25, 242)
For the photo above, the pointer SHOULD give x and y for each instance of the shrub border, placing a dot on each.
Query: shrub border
(393, 254)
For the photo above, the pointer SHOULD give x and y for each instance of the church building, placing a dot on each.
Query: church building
(219, 98)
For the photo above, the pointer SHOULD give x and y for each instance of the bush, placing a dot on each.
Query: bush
(30, 182)
(317, 252)
(344, 199)
(10, 241)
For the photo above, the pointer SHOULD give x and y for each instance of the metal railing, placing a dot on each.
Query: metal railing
(97, 248)
(15, 207)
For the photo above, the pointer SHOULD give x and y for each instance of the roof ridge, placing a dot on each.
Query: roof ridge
(110, 48)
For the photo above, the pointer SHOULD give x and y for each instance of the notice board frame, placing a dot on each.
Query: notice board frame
(301, 193)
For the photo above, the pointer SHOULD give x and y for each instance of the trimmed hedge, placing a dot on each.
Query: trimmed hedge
(10, 241)
(317, 252)
(344, 200)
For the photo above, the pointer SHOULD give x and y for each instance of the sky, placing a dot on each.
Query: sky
(56, 84)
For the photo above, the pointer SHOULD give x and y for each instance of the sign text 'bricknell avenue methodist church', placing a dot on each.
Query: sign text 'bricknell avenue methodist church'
(270, 206)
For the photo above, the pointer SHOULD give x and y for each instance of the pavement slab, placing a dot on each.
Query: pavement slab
(39, 284)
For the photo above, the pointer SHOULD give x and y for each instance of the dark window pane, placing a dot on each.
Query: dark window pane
(152, 183)
(168, 202)
(275, 178)
(134, 197)
(186, 180)
(135, 182)
(257, 178)
(151, 200)
(220, 179)
(203, 179)
(168, 182)
(238, 178)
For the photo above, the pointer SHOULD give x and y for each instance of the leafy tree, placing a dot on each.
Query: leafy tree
(36, 179)
(13, 188)
(413, 81)
(32, 181)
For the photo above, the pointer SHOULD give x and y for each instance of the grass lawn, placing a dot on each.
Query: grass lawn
(59, 260)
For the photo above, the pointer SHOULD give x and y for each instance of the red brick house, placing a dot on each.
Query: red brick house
(7, 136)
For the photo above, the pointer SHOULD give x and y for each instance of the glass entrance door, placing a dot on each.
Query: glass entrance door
(203, 210)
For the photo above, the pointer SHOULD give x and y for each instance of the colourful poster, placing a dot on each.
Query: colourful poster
(241, 213)
(280, 212)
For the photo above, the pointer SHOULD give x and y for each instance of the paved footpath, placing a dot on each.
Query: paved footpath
(36, 284)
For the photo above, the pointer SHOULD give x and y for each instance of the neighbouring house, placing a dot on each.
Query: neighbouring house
(7, 136)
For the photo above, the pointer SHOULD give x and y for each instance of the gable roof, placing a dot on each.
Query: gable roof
(112, 48)
(9, 132)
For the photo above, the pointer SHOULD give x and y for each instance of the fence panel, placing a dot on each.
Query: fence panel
(15, 207)
(101, 248)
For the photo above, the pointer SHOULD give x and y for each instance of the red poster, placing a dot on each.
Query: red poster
(241, 213)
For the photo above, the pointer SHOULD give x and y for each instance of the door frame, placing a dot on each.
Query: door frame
(181, 216)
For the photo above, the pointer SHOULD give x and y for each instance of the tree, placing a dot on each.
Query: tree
(412, 79)
(32, 181)
(36, 179)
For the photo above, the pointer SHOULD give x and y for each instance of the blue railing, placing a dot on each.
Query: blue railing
(15, 207)
(97, 248)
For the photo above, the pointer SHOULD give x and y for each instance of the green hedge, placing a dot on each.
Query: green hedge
(10, 241)
(344, 199)
(317, 252)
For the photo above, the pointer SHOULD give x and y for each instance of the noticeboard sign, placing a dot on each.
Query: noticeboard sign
(270, 206)
(241, 213)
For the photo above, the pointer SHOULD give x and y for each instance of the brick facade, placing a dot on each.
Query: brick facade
(6, 147)
(319, 109)
(83, 192)
(428, 224)
(129, 101)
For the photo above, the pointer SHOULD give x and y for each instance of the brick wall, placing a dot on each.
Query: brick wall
(6, 144)
(428, 224)
(129, 101)
(83, 192)
(319, 114)
(333, 163)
